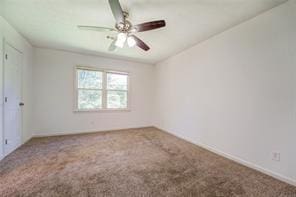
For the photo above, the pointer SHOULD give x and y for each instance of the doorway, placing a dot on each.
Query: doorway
(12, 98)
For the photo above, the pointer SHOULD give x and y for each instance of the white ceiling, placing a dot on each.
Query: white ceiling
(53, 23)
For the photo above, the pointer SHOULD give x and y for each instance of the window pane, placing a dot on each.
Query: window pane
(116, 99)
(89, 99)
(89, 79)
(116, 81)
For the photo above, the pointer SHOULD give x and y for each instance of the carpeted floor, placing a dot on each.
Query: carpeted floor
(135, 162)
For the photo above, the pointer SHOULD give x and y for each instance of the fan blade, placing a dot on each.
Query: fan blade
(149, 25)
(112, 46)
(140, 43)
(116, 10)
(94, 28)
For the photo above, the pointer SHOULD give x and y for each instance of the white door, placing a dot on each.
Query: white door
(12, 98)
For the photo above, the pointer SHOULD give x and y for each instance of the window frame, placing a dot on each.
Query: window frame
(104, 90)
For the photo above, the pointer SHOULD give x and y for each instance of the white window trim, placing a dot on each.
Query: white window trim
(104, 90)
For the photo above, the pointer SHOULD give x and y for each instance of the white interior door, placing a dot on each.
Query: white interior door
(12, 98)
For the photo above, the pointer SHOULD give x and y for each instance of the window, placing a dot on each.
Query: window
(90, 89)
(101, 90)
(116, 90)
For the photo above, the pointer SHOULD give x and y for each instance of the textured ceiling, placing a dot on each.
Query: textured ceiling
(52, 23)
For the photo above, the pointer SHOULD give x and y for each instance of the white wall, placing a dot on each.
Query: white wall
(235, 93)
(53, 94)
(10, 35)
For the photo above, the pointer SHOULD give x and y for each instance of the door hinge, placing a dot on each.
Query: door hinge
(5, 99)
(6, 56)
(6, 141)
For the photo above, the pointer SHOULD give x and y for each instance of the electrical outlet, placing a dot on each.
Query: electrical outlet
(276, 156)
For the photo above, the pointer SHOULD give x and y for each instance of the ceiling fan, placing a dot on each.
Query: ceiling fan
(125, 29)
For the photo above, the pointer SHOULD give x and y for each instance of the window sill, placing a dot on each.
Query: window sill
(101, 110)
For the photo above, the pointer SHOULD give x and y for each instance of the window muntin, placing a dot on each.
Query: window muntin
(101, 90)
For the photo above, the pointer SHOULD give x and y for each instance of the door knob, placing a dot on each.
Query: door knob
(21, 104)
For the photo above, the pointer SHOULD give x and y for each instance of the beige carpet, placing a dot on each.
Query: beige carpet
(136, 162)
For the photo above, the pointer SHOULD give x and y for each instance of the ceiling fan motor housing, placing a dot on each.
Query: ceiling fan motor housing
(124, 26)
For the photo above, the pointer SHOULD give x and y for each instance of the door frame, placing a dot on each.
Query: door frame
(5, 42)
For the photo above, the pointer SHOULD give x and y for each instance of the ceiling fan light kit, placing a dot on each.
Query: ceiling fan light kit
(121, 38)
(125, 29)
(131, 42)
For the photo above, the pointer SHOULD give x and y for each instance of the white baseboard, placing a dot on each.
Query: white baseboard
(249, 164)
(50, 134)
(239, 160)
